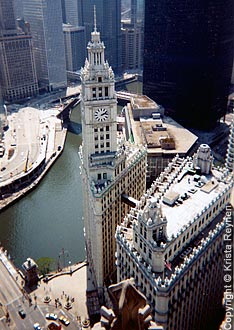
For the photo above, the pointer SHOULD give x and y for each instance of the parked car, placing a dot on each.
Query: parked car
(51, 316)
(36, 326)
(64, 320)
(22, 313)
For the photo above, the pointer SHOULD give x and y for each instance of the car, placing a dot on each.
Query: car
(64, 320)
(51, 316)
(22, 313)
(3, 169)
(36, 326)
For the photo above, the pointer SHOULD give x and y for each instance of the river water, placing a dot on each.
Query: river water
(47, 222)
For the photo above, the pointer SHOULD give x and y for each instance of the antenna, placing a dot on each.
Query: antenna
(95, 19)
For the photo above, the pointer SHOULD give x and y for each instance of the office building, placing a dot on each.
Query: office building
(162, 135)
(18, 78)
(73, 12)
(108, 14)
(132, 47)
(110, 165)
(74, 40)
(188, 58)
(171, 243)
(45, 19)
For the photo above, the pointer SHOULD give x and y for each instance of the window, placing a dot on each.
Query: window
(107, 128)
(100, 91)
(106, 91)
(107, 144)
(94, 92)
(99, 79)
(107, 136)
(104, 175)
(99, 176)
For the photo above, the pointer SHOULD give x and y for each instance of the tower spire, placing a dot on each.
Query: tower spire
(95, 18)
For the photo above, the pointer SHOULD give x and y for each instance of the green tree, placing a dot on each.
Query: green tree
(45, 265)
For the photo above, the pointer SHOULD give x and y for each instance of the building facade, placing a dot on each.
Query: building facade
(189, 74)
(132, 47)
(18, 77)
(110, 165)
(73, 12)
(230, 149)
(74, 40)
(171, 243)
(45, 19)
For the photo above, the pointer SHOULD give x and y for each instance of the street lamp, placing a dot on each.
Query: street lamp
(69, 262)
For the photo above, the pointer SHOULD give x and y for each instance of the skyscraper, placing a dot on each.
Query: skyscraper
(45, 19)
(17, 67)
(110, 165)
(74, 12)
(109, 24)
(188, 56)
(74, 40)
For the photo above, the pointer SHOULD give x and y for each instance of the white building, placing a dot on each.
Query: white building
(111, 167)
(171, 242)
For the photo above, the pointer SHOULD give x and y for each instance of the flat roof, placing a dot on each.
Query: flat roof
(181, 213)
(143, 101)
(143, 132)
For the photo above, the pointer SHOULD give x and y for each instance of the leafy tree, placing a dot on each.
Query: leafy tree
(45, 265)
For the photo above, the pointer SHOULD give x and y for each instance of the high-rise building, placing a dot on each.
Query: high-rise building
(74, 40)
(132, 47)
(137, 11)
(109, 24)
(112, 168)
(74, 12)
(172, 244)
(188, 57)
(17, 67)
(45, 19)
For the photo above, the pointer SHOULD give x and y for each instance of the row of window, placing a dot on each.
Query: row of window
(100, 92)
(101, 129)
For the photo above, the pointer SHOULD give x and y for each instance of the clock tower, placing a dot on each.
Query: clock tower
(110, 166)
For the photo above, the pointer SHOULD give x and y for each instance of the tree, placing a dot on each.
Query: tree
(45, 265)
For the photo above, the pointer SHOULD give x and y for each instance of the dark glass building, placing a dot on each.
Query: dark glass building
(188, 57)
(108, 13)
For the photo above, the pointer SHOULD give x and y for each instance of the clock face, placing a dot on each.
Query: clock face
(101, 114)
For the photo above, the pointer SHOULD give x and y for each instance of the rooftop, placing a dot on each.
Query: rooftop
(162, 135)
(196, 196)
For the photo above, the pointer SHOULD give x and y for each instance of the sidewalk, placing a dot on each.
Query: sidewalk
(63, 286)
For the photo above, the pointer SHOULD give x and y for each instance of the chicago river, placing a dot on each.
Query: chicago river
(47, 222)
